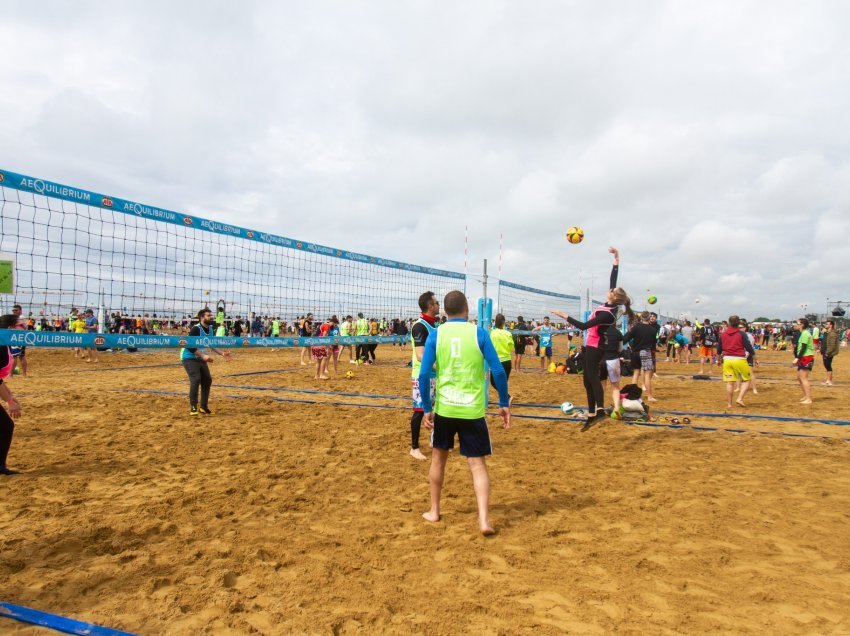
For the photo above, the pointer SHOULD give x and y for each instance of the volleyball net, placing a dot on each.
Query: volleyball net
(64, 247)
(515, 301)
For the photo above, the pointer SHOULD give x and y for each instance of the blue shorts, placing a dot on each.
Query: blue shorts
(546, 351)
(417, 395)
(474, 435)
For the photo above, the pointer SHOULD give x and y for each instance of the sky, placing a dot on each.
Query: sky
(709, 142)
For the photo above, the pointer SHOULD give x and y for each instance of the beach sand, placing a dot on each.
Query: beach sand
(286, 517)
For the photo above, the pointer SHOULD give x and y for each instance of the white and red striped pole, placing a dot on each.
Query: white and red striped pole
(465, 259)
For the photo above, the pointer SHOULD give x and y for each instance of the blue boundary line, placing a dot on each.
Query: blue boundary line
(46, 188)
(56, 622)
(236, 375)
(513, 415)
(142, 366)
(753, 416)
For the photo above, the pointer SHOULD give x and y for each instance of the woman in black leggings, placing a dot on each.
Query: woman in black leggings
(594, 350)
(7, 426)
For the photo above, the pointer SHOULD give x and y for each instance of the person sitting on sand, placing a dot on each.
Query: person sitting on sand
(459, 349)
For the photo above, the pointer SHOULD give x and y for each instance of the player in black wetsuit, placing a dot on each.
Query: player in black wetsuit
(600, 319)
(7, 426)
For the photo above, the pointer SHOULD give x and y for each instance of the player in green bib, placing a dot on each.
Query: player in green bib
(460, 350)
(503, 343)
(361, 328)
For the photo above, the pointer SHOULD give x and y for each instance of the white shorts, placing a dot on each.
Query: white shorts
(417, 396)
(613, 370)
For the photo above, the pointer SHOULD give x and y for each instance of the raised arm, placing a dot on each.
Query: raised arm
(615, 268)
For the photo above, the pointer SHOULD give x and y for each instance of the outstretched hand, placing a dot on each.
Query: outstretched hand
(560, 314)
(616, 253)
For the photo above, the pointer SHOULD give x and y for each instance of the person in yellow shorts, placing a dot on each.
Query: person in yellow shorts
(733, 347)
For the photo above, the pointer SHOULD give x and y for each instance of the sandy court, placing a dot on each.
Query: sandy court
(279, 516)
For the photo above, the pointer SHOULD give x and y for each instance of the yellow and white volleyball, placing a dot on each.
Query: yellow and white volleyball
(349, 375)
(575, 235)
(652, 300)
(567, 408)
(206, 292)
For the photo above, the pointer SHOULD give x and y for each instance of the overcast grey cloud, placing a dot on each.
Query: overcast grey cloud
(709, 141)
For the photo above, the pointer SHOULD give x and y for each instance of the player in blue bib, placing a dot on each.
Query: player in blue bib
(196, 363)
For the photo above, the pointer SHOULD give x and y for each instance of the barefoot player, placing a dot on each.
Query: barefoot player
(459, 350)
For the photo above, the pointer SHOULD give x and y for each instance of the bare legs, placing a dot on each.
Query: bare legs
(480, 483)
(803, 379)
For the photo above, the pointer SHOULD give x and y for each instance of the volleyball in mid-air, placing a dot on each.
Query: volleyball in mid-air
(349, 375)
(575, 234)
(652, 300)
(567, 408)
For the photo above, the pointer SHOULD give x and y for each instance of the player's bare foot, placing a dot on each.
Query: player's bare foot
(805, 401)
(415, 453)
(651, 399)
(740, 402)
(487, 530)
(431, 516)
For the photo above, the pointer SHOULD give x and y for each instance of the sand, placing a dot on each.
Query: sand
(280, 517)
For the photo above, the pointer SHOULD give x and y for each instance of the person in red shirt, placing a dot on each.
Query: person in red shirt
(733, 347)
(321, 355)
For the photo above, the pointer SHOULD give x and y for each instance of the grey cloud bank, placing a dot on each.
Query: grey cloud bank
(708, 142)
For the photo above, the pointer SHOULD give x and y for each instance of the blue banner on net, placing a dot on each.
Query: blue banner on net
(46, 188)
(18, 338)
(533, 290)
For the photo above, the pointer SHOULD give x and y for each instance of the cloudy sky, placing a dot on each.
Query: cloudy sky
(710, 142)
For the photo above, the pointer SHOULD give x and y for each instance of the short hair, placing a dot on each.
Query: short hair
(500, 321)
(644, 315)
(425, 300)
(8, 321)
(90, 311)
(360, 314)
(545, 317)
(519, 318)
(17, 307)
(454, 303)
(804, 322)
(831, 323)
(205, 310)
(734, 321)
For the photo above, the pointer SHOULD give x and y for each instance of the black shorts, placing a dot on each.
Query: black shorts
(519, 347)
(474, 435)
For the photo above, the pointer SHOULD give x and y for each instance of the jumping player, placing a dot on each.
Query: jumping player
(459, 350)
(196, 364)
(7, 424)
(429, 307)
(600, 319)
